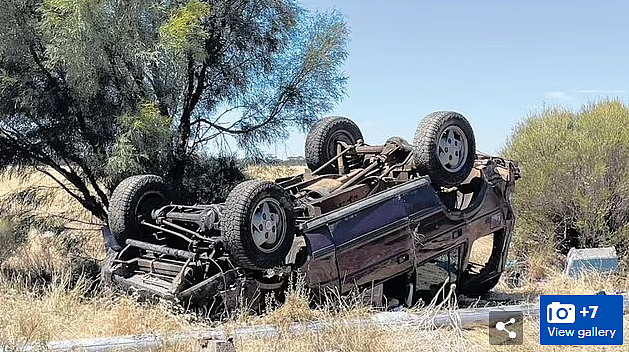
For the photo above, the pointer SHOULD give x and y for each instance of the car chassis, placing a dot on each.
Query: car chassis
(370, 217)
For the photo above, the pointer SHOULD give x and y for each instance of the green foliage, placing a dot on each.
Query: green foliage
(209, 179)
(574, 191)
(142, 145)
(70, 29)
(183, 32)
(95, 90)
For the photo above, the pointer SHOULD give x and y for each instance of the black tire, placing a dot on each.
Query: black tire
(237, 222)
(321, 141)
(426, 148)
(133, 201)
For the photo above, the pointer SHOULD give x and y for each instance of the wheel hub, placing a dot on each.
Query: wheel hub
(452, 148)
(268, 225)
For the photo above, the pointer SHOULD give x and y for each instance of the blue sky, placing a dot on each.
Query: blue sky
(494, 61)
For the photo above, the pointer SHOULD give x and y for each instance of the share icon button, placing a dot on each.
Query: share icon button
(506, 327)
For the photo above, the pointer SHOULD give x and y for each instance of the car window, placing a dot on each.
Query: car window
(443, 268)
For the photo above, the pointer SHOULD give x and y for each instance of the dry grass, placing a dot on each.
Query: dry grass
(341, 338)
(273, 172)
(63, 203)
(42, 248)
(65, 310)
(62, 304)
(361, 339)
(481, 249)
(540, 259)
(556, 283)
(57, 312)
(339, 331)
(296, 308)
(337, 336)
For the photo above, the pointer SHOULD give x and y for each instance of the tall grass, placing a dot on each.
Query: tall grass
(68, 306)
(61, 310)
(47, 280)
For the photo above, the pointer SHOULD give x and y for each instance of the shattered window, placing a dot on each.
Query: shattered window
(435, 272)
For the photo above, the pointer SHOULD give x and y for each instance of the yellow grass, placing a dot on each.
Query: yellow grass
(481, 249)
(341, 338)
(63, 202)
(361, 339)
(58, 312)
(62, 309)
(79, 223)
(271, 173)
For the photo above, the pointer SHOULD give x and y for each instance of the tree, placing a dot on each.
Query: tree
(93, 91)
(574, 190)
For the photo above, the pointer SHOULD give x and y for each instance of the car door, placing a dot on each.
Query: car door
(373, 238)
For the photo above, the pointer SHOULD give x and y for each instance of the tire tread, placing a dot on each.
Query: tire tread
(235, 224)
(316, 140)
(121, 218)
(425, 146)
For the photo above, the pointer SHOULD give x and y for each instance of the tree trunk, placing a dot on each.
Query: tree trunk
(194, 91)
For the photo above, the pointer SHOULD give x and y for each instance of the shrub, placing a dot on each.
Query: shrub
(208, 179)
(574, 191)
(10, 239)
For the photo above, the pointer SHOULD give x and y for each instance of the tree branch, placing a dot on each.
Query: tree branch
(90, 176)
(85, 198)
(61, 184)
(219, 116)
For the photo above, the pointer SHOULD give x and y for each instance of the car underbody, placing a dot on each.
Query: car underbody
(396, 219)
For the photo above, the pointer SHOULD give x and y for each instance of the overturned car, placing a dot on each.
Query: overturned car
(399, 219)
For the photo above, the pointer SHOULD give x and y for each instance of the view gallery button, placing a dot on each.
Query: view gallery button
(581, 320)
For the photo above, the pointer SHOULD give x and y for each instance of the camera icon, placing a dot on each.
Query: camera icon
(558, 313)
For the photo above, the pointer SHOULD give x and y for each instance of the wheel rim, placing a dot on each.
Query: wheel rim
(452, 149)
(339, 136)
(268, 225)
(148, 202)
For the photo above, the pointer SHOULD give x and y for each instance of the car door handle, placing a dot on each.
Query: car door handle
(403, 258)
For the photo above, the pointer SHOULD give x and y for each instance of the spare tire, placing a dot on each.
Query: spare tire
(132, 201)
(444, 148)
(258, 224)
(321, 141)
